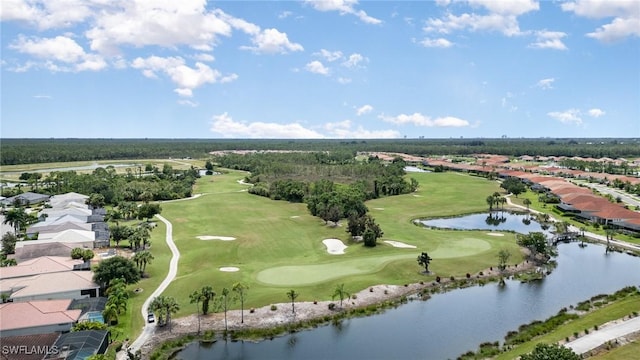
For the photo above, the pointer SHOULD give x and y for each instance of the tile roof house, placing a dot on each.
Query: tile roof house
(63, 200)
(47, 249)
(58, 285)
(40, 265)
(27, 198)
(28, 347)
(37, 317)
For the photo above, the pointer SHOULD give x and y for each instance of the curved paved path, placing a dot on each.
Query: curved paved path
(149, 329)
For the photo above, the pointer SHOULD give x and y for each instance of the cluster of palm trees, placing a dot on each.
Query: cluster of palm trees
(18, 218)
(206, 295)
(116, 301)
(142, 259)
(496, 199)
(164, 306)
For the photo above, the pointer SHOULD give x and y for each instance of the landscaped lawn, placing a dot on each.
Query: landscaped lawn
(279, 245)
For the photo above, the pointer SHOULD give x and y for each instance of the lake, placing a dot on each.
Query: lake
(495, 220)
(449, 324)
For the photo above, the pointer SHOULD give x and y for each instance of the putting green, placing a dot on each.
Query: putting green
(313, 274)
(460, 247)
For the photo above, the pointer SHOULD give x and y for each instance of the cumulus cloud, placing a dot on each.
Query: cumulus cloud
(365, 109)
(226, 126)
(317, 67)
(345, 130)
(343, 7)
(571, 116)
(436, 43)
(186, 78)
(625, 14)
(502, 16)
(419, 119)
(60, 49)
(549, 40)
(596, 113)
(46, 14)
(546, 84)
(344, 80)
(272, 41)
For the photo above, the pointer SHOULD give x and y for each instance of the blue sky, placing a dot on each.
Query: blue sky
(320, 69)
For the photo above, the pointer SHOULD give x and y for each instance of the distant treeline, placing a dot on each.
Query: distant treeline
(28, 151)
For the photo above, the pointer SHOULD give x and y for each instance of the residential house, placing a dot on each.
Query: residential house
(37, 317)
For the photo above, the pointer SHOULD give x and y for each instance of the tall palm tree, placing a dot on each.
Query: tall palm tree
(491, 201)
(207, 295)
(292, 295)
(166, 304)
(225, 305)
(610, 233)
(17, 218)
(110, 313)
(341, 293)
(241, 291)
(526, 203)
(145, 257)
(196, 297)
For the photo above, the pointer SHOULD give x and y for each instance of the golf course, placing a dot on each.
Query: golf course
(275, 246)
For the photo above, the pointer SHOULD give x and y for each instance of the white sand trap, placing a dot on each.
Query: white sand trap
(495, 234)
(399, 244)
(378, 208)
(229, 269)
(334, 246)
(295, 216)
(417, 195)
(209, 237)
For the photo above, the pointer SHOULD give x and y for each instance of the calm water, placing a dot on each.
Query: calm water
(448, 324)
(496, 220)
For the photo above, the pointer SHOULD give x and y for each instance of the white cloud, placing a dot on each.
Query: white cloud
(549, 40)
(188, 103)
(625, 14)
(223, 124)
(426, 121)
(60, 49)
(317, 67)
(354, 60)
(343, 7)
(330, 55)
(343, 80)
(365, 109)
(186, 78)
(46, 97)
(204, 57)
(167, 24)
(546, 84)
(343, 130)
(571, 116)
(272, 41)
(437, 43)
(46, 14)
(284, 14)
(596, 113)
(511, 7)
(506, 24)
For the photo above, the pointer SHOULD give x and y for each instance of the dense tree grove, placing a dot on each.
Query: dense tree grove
(28, 151)
(105, 187)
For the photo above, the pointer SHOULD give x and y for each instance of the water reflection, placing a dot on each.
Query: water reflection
(494, 220)
(449, 324)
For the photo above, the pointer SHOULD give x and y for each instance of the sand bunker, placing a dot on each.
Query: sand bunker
(495, 234)
(334, 246)
(295, 216)
(417, 195)
(399, 244)
(210, 237)
(378, 208)
(229, 269)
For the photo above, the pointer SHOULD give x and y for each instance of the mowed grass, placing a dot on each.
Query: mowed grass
(616, 310)
(279, 246)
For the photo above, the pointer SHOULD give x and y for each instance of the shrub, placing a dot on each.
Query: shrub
(354, 296)
(452, 278)
(438, 279)
(468, 275)
(252, 310)
(370, 289)
(274, 308)
(331, 306)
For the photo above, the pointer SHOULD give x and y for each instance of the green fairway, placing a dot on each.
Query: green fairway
(310, 274)
(278, 244)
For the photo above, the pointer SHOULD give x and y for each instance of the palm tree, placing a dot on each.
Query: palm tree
(491, 201)
(292, 295)
(526, 203)
(17, 218)
(241, 291)
(110, 313)
(341, 293)
(225, 305)
(610, 233)
(196, 297)
(145, 258)
(167, 304)
(582, 229)
(207, 295)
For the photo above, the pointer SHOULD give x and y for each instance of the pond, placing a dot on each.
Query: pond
(449, 324)
(495, 220)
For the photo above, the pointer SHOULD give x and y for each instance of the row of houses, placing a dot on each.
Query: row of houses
(47, 292)
(579, 201)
